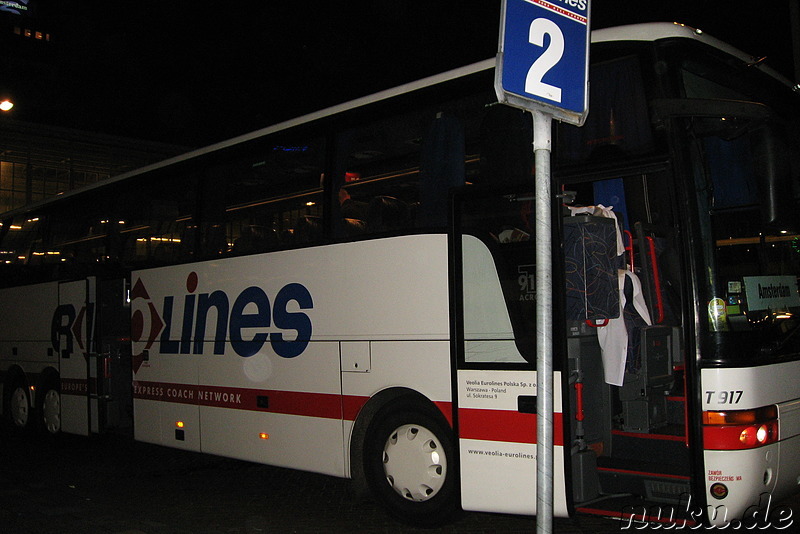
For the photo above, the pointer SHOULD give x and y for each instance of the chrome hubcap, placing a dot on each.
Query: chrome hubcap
(19, 407)
(51, 411)
(414, 462)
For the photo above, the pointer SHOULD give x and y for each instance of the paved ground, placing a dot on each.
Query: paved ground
(114, 485)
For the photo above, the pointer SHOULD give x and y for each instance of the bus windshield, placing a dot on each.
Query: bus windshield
(745, 166)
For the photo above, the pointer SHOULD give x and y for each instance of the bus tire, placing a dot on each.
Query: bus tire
(19, 406)
(49, 407)
(409, 465)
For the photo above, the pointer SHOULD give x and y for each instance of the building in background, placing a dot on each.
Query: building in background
(39, 156)
(37, 161)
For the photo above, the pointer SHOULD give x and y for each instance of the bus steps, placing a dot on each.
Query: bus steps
(660, 483)
(668, 444)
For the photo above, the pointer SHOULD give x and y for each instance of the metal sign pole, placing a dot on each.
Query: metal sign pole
(543, 66)
(542, 130)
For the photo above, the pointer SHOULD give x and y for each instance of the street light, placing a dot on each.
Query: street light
(6, 105)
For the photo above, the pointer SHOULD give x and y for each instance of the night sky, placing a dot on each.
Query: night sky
(193, 73)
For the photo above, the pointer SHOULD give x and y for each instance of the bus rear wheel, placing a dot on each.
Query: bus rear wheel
(409, 466)
(19, 406)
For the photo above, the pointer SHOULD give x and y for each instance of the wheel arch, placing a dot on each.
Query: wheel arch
(385, 400)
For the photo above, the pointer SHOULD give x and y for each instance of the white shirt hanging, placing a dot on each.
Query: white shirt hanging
(613, 337)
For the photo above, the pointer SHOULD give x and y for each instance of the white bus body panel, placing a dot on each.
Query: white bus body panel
(25, 337)
(23, 327)
(497, 442)
(44, 337)
(379, 318)
(753, 476)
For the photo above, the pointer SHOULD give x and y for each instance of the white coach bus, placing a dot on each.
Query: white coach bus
(351, 293)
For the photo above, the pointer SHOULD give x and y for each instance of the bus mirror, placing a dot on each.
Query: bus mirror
(774, 174)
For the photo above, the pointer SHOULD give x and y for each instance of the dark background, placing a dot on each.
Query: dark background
(197, 72)
(110, 485)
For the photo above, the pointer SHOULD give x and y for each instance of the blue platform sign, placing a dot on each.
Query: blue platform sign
(543, 57)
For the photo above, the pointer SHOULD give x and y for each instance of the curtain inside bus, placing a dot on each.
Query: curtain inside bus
(617, 124)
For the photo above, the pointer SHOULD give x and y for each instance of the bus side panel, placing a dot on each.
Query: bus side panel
(759, 386)
(75, 324)
(753, 476)
(280, 411)
(248, 348)
(25, 330)
(497, 418)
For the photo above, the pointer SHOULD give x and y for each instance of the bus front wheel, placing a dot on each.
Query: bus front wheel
(409, 466)
(50, 410)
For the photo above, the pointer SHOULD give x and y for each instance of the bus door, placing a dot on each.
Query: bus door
(494, 325)
(623, 339)
(112, 367)
(73, 336)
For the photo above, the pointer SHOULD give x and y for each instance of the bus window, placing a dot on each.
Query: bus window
(496, 239)
(270, 200)
(377, 175)
(745, 251)
(618, 122)
(506, 156)
(78, 235)
(155, 221)
(81, 240)
(21, 237)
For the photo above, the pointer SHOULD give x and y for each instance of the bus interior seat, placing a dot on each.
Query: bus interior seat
(354, 227)
(307, 229)
(254, 238)
(386, 213)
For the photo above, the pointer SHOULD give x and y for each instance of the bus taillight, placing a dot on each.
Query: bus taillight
(741, 429)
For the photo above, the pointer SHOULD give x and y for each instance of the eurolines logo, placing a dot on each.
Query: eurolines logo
(71, 325)
(247, 321)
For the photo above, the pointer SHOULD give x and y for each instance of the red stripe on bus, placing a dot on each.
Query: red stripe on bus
(447, 411)
(325, 405)
(504, 425)
(351, 406)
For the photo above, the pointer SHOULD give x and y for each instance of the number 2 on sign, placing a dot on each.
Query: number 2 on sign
(549, 58)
